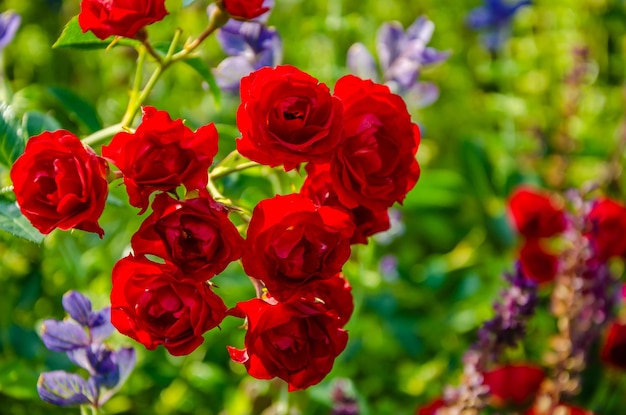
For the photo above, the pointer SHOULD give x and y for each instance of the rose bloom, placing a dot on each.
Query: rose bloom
(431, 408)
(244, 9)
(119, 17)
(287, 117)
(291, 242)
(60, 183)
(606, 223)
(535, 214)
(515, 385)
(195, 235)
(155, 304)
(614, 348)
(538, 264)
(161, 155)
(318, 186)
(375, 166)
(334, 293)
(296, 341)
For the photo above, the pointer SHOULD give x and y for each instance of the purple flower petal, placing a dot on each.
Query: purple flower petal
(100, 325)
(65, 389)
(77, 306)
(390, 42)
(361, 62)
(125, 359)
(422, 94)
(431, 56)
(9, 23)
(63, 336)
(229, 72)
(421, 29)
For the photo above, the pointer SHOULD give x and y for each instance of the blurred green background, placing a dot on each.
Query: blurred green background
(547, 109)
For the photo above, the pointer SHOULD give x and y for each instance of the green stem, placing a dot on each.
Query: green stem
(283, 402)
(220, 172)
(103, 134)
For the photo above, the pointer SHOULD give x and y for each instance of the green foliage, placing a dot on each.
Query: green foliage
(11, 140)
(13, 222)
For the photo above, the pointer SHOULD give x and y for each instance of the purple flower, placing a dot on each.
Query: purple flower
(251, 46)
(494, 18)
(402, 55)
(517, 304)
(81, 337)
(9, 23)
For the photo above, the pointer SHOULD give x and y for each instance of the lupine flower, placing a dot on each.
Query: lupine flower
(9, 23)
(250, 45)
(494, 20)
(81, 337)
(401, 55)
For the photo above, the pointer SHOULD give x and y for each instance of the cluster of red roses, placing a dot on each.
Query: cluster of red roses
(539, 217)
(360, 146)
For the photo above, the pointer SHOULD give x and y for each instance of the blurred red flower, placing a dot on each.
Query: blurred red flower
(119, 17)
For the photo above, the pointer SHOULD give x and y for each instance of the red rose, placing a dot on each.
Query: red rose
(514, 384)
(119, 17)
(334, 293)
(296, 341)
(244, 9)
(195, 235)
(291, 242)
(60, 183)
(431, 408)
(318, 186)
(535, 214)
(607, 227)
(375, 166)
(287, 117)
(538, 264)
(161, 155)
(155, 304)
(614, 348)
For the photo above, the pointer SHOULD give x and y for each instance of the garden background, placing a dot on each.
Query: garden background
(547, 108)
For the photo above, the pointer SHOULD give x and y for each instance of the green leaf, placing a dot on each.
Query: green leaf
(78, 108)
(13, 222)
(11, 140)
(205, 72)
(73, 37)
(35, 123)
(197, 65)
